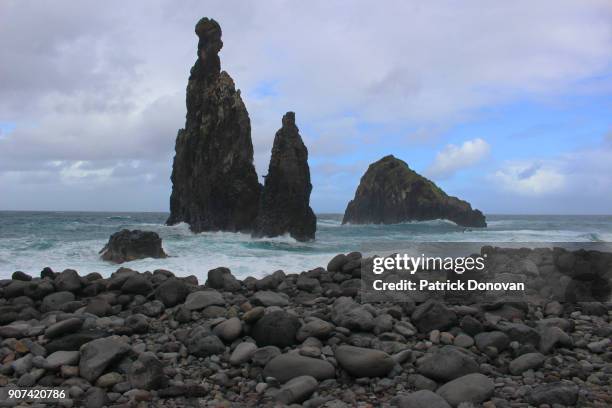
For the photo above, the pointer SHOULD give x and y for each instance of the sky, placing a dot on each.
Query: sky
(505, 104)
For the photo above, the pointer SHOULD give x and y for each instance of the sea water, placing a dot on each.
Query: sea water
(30, 241)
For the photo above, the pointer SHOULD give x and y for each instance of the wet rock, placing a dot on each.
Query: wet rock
(291, 365)
(473, 388)
(129, 245)
(277, 328)
(362, 362)
(284, 203)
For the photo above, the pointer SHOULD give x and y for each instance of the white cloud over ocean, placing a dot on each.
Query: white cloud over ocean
(454, 158)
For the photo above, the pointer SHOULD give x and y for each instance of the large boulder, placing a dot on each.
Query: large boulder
(98, 354)
(214, 183)
(284, 206)
(221, 278)
(202, 343)
(204, 298)
(69, 281)
(56, 300)
(390, 192)
(172, 292)
(277, 328)
(126, 245)
(348, 313)
(433, 315)
(362, 362)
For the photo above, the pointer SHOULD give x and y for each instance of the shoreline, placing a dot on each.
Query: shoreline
(155, 339)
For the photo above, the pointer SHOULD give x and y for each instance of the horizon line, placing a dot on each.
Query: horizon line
(316, 213)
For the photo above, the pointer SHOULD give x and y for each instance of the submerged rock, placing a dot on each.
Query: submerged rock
(284, 206)
(214, 183)
(126, 245)
(390, 192)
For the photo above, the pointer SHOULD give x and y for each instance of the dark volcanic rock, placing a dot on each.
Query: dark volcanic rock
(390, 192)
(277, 328)
(147, 373)
(284, 206)
(126, 245)
(214, 183)
(99, 354)
(172, 292)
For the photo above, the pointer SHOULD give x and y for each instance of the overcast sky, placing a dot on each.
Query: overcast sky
(505, 104)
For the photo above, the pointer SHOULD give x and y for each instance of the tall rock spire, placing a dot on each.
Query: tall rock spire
(214, 183)
(284, 206)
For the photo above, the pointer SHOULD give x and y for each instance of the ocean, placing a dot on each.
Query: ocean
(30, 241)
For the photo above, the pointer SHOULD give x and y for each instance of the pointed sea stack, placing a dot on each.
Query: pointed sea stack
(390, 192)
(214, 183)
(284, 206)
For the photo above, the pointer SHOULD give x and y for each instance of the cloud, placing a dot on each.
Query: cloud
(454, 158)
(530, 179)
(104, 83)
